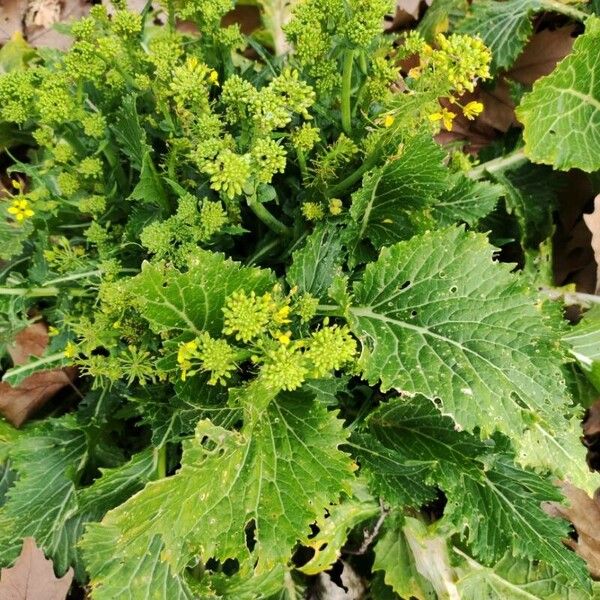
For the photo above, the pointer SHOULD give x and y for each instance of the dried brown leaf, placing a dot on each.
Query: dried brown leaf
(44, 11)
(12, 13)
(592, 222)
(591, 425)
(584, 513)
(18, 403)
(32, 577)
(541, 54)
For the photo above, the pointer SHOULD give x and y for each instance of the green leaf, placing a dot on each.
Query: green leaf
(561, 115)
(441, 16)
(43, 499)
(415, 559)
(530, 193)
(130, 135)
(437, 316)
(393, 478)
(149, 188)
(584, 341)
(505, 27)
(191, 302)
(13, 237)
(334, 526)
(390, 204)
(314, 265)
(275, 477)
(466, 201)
(513, 579)
(561, 451)
(492, 503)
(174, 417)
(393, 556)
(116, 485)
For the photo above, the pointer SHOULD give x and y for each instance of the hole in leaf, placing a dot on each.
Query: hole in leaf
(405, 285)
(314, 530)
(302, 555)
(250, 532)
(335, 573)
(413, 313)
(453, 289)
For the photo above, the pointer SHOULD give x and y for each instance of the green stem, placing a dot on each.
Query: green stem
(15, 371)
(171, 11)
(564, 9)
(160, 456)
(503, 163)
(346, 91)
(73, 277)
(332, 310)
(302, 164)
(260, 252)
(40, 292)
(340, 188)
(268, 219)
(570, 298)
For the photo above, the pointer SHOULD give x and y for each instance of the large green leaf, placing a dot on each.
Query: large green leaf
(493, 503)
(505, 27)
(390, 204)
(191, 302)
(117, 484)
(437, 316)
(174, 417)
(530, 194)
(43, 499)
(394, 557)
(561, 114)
(584, 341)
(333, 527)
(269, 481)
(466, 201)
(314, 265)
(513, 579)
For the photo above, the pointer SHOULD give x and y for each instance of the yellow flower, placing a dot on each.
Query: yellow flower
(284, 338)
(388, 121)
(70, 350)
(415, 72)
(281, 316)
(213, 77)
(335, 206)
(20, 209)
(472, 109)
(445, 116)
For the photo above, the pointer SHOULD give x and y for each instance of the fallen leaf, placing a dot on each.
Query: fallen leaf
(541, 54)
(42, 13)
(32, 577)
(584, 513)
(11, 18)
(51, 12)
(18, 403)
(591, 436)
(592, 222)
(591, 425)
(31, 341)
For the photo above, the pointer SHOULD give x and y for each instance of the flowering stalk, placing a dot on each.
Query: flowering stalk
(346, 91)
